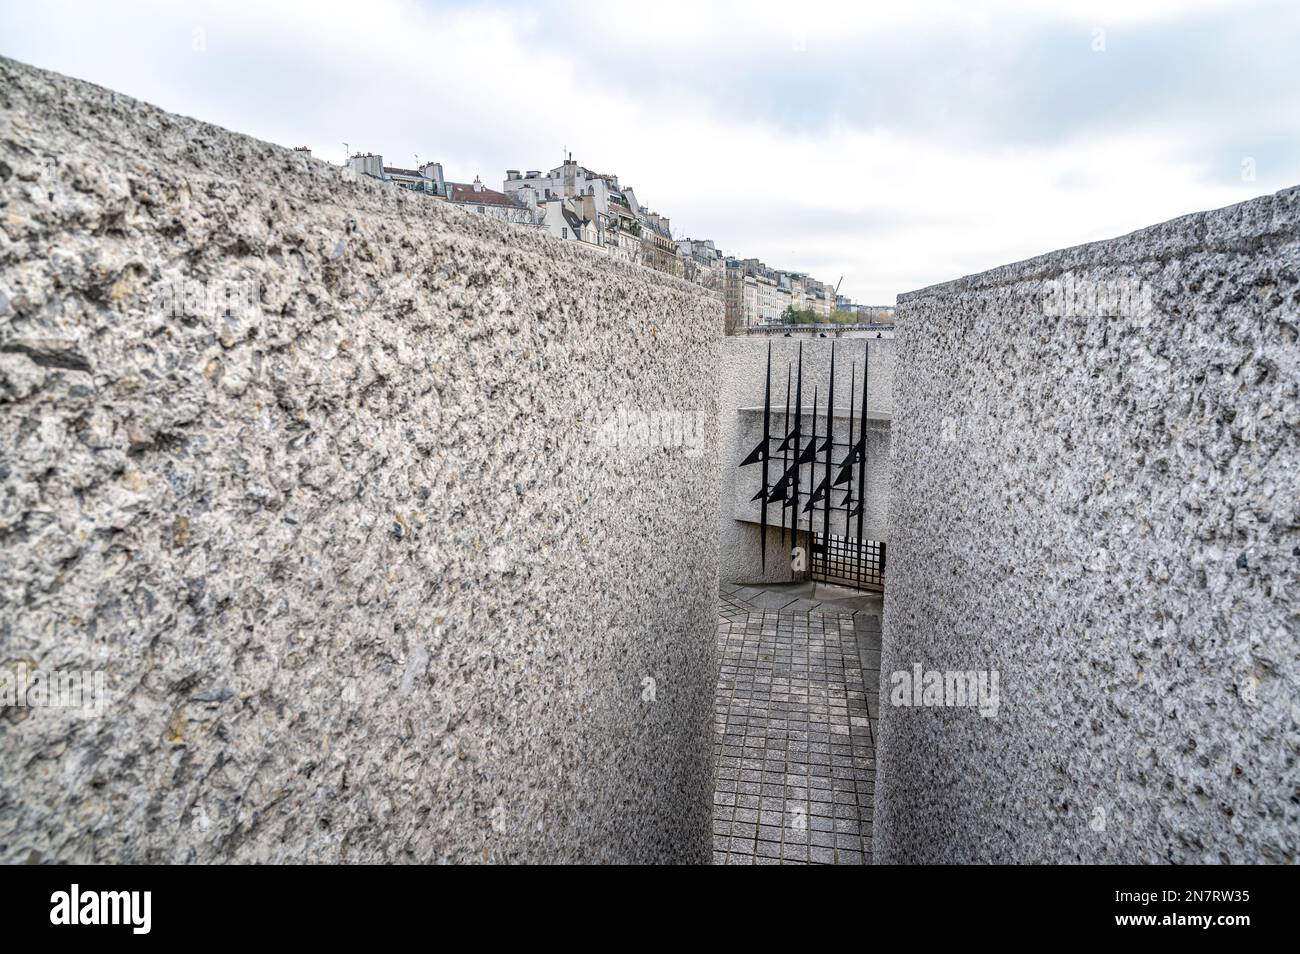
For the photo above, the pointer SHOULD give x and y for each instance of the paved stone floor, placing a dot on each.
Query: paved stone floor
(797, 693)
(803, 598)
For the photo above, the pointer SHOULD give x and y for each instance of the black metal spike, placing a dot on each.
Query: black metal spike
(798, 433)
(862, 443)
(846, 465)
(785, 457)
(848, 496)
(810, 455)
(789, 437)
(816, 495)
(756, 455)
(825, 487)
(781, 489)
(767, 428)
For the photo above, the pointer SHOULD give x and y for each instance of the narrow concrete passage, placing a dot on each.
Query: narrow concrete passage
(797, 693)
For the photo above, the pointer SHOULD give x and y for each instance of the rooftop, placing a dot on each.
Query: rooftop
(472, 193)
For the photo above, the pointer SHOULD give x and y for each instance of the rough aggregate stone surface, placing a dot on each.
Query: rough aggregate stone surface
(365, 582)
(1104, 505)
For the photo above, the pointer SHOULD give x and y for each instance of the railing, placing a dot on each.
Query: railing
(848, 562)
(818, 477)
(830, 328)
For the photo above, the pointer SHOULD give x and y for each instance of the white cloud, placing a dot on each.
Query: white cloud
(485, 89)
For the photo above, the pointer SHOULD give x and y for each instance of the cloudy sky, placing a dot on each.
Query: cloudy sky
(894, 144)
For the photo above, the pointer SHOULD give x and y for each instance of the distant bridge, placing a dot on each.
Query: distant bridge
(828, 329)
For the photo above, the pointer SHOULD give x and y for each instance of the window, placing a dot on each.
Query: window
(564, 233)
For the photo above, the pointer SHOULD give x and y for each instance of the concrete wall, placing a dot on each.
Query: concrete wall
(365, 579)
(1097, 456)
(744, 361)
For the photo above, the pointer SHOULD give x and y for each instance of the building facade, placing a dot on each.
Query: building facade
(478, 198)
(427, 179)
(594, 207)
(575, 203)
(702, 263)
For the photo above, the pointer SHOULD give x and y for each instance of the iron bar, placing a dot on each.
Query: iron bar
(830, 439)
(862, 449)
(767, 426)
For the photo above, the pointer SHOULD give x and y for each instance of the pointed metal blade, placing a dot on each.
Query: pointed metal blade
(757, 454)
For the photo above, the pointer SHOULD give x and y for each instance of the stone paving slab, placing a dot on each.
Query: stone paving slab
(805, 597)
(773, 600)
(794, 740)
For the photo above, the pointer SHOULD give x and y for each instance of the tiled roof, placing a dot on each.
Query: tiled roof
(465, 192)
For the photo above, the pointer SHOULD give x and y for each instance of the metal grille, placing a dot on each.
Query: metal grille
(817, 476)
(841, 561)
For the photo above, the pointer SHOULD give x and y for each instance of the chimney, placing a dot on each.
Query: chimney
(368, 164)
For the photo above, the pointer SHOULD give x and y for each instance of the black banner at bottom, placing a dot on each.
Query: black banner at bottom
(139, 905)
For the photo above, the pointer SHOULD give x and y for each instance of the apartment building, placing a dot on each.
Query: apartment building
(478, 198)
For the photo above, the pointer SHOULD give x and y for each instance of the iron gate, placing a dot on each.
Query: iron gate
(803, 473)
(839, 560)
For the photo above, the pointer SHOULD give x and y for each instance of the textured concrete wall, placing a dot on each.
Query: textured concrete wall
(744, 360)
(1097, 493)
(366, 580)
